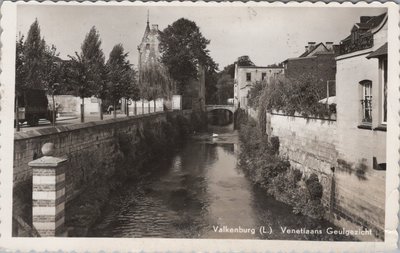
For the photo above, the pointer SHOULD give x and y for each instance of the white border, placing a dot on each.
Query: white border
(8, 24)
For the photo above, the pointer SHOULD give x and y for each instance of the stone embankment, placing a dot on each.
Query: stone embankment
(101, 155)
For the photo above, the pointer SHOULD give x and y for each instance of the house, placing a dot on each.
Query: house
(246, 76)
(361, 95)
(318, 60)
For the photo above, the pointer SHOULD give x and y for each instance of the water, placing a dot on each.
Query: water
(199, 191)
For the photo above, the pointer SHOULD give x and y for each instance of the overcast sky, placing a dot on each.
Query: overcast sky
(267, 35)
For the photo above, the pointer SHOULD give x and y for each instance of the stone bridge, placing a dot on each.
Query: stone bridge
(230, 108)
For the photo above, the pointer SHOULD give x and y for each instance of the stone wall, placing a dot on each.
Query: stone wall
(94, 152)
(309, 144)
(353, 199)
(88, 146)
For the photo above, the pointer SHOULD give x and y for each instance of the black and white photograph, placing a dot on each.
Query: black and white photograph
(202, 121)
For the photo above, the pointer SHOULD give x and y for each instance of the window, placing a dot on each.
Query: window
(366, 101)
(147, 46)
(248, 77)
(384, 91)
(263, 75)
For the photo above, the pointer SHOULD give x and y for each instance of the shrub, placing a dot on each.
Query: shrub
(290, 95)
(314, 187)
(260, 161)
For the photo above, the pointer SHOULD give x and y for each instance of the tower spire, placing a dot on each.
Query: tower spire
(148, 18)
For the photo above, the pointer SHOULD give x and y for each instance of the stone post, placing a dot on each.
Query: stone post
(48, 193)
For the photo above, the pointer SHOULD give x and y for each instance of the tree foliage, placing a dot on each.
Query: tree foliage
(224, 88)
(54, 77)
(20, 66)
(183, 48)
(155, 82)
(33, 50)
(243, 60)
(289, 95)
(87, 68)
(120, 76)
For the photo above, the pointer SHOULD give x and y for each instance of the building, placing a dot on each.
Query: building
(361, 95)
(246, 76)
(149, 48)
(318, 60)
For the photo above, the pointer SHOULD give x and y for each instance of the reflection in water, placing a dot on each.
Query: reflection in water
(201, 194)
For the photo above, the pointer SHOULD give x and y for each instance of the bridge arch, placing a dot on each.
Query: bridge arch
(230, 108)
(220, 115)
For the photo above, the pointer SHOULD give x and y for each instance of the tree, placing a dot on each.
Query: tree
(224, 88)
(20, 75)
(132, 91)
(119, 76)
(87, 69)
(53, 75)
(34, 49)
(155, 82)
(243, 60)
(183, 48)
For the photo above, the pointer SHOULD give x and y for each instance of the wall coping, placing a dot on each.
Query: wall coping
(78, 126)
(298, 115)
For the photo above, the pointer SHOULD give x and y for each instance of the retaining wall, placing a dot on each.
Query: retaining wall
(93, 151)
(354, 200)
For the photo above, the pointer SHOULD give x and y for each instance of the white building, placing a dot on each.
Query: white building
(246, 77)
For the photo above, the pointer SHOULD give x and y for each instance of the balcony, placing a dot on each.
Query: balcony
(365, 41)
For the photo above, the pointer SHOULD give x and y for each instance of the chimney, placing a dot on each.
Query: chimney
(154, 27)
(329, 45)
(311, 46)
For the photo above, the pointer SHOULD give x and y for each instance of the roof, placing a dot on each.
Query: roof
(259, 67)
(379, 52)
(309, 52)
(375, 21)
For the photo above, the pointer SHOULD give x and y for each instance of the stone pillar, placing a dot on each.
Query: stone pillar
(48, 193)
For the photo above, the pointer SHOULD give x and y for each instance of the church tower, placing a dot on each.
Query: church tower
(149, 51)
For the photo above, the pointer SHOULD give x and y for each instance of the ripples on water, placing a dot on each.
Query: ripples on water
(199, 188)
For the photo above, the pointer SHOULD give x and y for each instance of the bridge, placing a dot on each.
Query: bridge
(230, 108)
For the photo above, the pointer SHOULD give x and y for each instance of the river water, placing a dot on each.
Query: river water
(200, 193)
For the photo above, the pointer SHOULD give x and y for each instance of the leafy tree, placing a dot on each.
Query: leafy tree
(87, 69)
(119, 76)
(33, 50)
(155, 82)
(20, 75)
(53, 77)
(183, 48)
(242, 61)
(132, 91)
(224, 88)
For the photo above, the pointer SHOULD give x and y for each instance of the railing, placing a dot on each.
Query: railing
(365, 41)
(367, 110)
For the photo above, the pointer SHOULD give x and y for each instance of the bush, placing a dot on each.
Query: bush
(290, 95)
(314, 187)
(260, 160)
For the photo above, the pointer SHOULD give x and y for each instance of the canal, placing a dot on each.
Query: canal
(200, 193)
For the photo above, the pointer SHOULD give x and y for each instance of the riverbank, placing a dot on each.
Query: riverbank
(259, 158)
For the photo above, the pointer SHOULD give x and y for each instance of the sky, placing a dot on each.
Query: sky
(267, 34)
